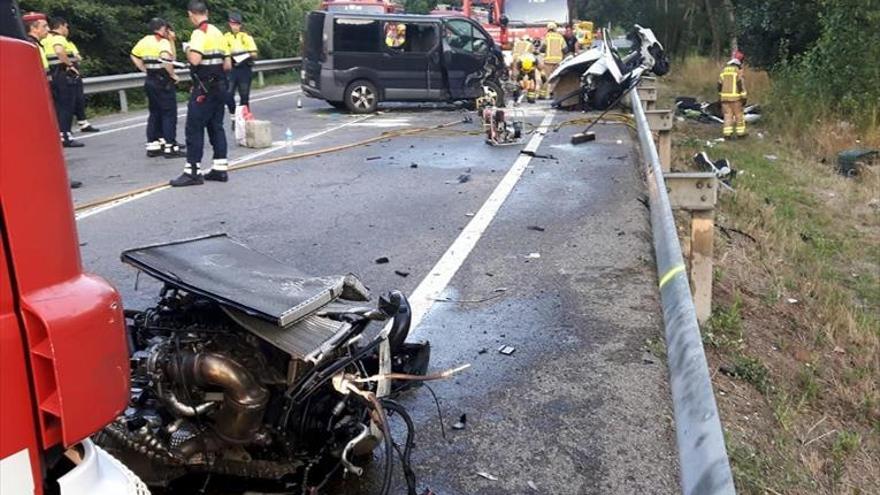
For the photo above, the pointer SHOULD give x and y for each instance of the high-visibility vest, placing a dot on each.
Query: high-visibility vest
(521, 47)
(150, 50)
(39, 46)
(240, 43)
(554, 43)
(731, 83)
(209, 41)
(50, 42)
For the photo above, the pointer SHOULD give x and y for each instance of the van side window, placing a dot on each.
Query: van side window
(356, 35)
(461, 35)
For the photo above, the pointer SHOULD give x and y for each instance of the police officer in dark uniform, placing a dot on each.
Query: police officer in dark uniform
(209, 58)
(65, 76)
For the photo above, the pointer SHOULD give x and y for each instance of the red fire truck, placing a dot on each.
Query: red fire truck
(507, 20)
(64, 371)
(362, 6)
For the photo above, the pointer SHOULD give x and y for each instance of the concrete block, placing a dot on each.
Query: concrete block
(258, 134)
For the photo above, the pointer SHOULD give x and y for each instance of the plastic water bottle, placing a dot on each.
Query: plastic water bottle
(288, 139)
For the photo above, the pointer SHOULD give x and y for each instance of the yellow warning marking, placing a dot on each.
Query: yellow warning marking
(670, 274)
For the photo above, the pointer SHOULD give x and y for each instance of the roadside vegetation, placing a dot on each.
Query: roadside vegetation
(794, 340)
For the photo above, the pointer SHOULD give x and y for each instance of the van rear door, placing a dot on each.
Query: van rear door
(466, 50)
(313, 50)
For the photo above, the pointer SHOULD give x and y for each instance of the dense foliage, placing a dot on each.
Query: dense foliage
(105, 30)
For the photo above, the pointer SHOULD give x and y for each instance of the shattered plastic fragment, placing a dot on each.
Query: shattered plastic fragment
(506, 350)
(461, 423)
(488, 476)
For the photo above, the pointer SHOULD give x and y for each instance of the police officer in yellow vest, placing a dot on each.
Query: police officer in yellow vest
(62, 67)
(244, 51)
(37, 28)
(554, 49)
(155, 54)
(209, 58)
(79, 107)
(732, 91)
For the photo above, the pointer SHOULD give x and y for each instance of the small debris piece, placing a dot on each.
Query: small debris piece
(463, 178)
(583, 137)
(536, 228)
(839, 350)
(727, 370)
(488, 476)
(468, 214)
(413, 165)
(371, 158)
(401, 273)
(506, 350)
(533, 256)
(619, 141)
(791, 300)
(483, 351)
(772, 158)
(532, 485)
(500, 289)
(648, 358)
(382, 260)
(461, 423)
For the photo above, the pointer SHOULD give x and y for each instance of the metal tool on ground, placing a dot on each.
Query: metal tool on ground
(502, 126)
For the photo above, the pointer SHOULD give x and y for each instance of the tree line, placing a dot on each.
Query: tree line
(106, 30)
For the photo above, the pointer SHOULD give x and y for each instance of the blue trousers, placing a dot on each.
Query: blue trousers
(206, 115)
(162, 99)
(239, 79)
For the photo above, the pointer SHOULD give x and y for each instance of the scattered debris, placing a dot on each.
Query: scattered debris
(536, 228)
(532, 485)
(791, 300)
(772, 158)
(497, 293)
(461, 423)
(401, 273)
(534, 154)
(583, 137)
(371, 158)
(839, 350)
(488, 476)
(506, 350)
(648, 358)
(484, 350)
(463, 178)
(413, 165)
(620, 141)
(533, 256)
(851, 162)
(469, 214)
(382, 260)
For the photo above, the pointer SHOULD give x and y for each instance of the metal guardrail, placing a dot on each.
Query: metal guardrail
(705, 467)
(133, 80)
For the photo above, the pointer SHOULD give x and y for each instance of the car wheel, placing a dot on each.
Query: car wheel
(361, 97)
(500, 99)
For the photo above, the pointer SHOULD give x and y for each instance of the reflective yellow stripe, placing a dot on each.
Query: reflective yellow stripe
(670, 274)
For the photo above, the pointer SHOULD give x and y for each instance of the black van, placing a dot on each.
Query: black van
(357, 60)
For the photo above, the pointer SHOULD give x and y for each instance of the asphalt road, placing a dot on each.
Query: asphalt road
(578, 408)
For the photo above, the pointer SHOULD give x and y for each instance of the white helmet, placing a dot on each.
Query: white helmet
(735, 62)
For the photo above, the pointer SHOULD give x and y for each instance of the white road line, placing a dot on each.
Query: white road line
(277, 145)
(179, 115)
(422, 299)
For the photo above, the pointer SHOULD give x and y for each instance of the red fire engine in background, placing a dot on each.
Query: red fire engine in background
(64, 370)
(362, 6)
(507, 20)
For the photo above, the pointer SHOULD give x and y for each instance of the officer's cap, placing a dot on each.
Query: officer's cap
(235, 16)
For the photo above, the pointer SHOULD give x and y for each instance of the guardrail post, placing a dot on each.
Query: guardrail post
(660, 122)
(648, 95)
(697, 193)
(123, 101)
(260, 79)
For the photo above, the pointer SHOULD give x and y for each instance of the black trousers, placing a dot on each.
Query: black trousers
(239, 79)
(162, 103)
(64, 96)
(206, 114)
(79, 107)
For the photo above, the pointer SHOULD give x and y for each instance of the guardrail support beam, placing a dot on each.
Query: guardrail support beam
(261, 80)
(660, 122)
(697, 193)
(123, 101)
(648, 95)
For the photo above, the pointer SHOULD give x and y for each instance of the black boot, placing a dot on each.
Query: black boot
(154, 152)
(68, 142)
(173, 152)
(189, 177)
(88, 127)
(217, 175)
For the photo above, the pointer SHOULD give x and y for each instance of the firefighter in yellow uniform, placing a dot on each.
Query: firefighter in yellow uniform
(79, 107)
(584, 34)
(733, 94)
(244, 51)
(154, 54)
(64, 76)
(209, 61)
(395, 35)
(527, 76)
(553, 49)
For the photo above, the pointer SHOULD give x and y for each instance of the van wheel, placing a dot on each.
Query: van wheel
(361, 97)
